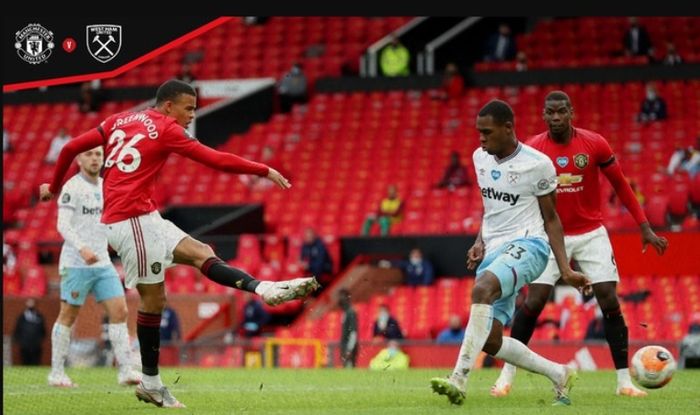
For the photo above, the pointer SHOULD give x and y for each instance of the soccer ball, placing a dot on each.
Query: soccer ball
(652, 366)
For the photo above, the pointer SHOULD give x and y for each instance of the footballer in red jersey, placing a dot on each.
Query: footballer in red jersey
(579, 156)
(137, 144)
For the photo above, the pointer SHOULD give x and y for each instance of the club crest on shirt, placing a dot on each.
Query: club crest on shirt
(156, 267)
(74, 294)
(581, 160)
(65, 198)
(513, 177)
(495, 174)
(562, 161)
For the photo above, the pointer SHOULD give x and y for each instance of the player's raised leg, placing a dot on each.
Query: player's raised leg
(523, 327)
(190, 251)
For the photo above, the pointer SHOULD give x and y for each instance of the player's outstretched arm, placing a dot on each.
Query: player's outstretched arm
(616, 177)
(77, 145)
(555, 232)
(228, 162)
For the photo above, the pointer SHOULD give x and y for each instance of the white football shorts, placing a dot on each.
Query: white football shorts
(593, 253)
(145, 245)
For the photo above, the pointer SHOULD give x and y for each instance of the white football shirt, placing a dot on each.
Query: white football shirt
(509, 190)
(79, 211)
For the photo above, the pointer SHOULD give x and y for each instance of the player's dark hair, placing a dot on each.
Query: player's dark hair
(499, 110)
(558, 96)
(170, 90)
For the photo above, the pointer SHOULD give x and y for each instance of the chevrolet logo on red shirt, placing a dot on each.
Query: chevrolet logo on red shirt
(567, 179)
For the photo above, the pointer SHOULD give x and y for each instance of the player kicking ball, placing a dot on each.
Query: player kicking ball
(85, 267)
(519, 226)
(137, 145)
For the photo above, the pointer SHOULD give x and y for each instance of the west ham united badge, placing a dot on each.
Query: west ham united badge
(104, 41)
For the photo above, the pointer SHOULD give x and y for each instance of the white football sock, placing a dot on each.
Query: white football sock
(623, 377)
(60, 343)
(516, 353)
(119, 337)
(507, 374)
(152, 382)
(478, 329)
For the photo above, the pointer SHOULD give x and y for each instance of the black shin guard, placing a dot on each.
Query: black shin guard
(524, 324)
(218, 271)
(617, 336)
(148, 331)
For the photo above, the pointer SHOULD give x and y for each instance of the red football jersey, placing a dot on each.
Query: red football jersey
(578, 165)
(137, 144)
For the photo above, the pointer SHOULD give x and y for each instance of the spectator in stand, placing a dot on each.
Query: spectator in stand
(390, 358)
(636, 40)
(453, 333)
(685, 159)
(349, 332)
(90, 97)
(672, 57)
(653, 107)
(169, 327)
(452, 84)
(521, 62)
(395, 59)
(254, 316)
(60, 140)
(292, 88)
(6, 141)
(455, 174)
(390, 212)
(501, 45)
(417, 270)
(29, 333)
(386, 326)
(315, 258)
(9, 260)
(186, 74)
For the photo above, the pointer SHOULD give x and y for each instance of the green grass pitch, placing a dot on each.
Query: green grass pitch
(331, 391)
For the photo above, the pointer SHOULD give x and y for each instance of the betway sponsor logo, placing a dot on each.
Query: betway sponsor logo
(491, 193)
(92, 211)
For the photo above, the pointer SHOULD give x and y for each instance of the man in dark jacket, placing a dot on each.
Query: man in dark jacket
(29, 333)
(386, 326)
(349, 334)
(315, 257)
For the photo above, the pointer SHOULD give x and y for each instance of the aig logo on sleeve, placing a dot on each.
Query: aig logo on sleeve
(34, 43)
(104, 41)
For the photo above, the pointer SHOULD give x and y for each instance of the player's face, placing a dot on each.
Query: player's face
(91, 161)
(492, 136)
(182, 109)
(557, 115)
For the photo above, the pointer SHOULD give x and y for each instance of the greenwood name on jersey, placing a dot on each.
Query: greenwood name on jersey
(509, 190)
